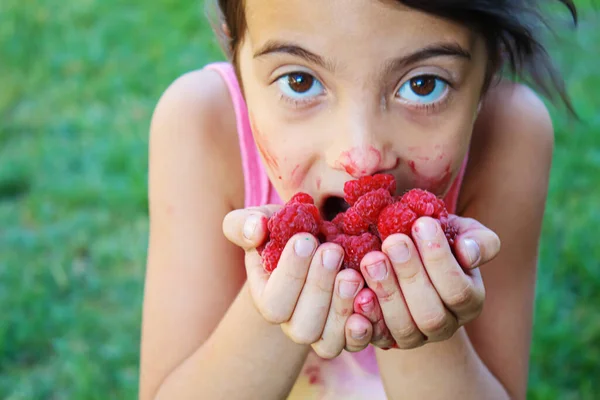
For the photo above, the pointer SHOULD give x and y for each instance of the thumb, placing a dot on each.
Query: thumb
(247, 228)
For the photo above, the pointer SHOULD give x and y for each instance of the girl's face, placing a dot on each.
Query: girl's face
(341, 89)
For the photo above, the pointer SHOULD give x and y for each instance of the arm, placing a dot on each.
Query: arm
(505, 190)
(200, 329)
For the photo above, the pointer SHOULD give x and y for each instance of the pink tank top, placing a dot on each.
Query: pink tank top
(350, 375)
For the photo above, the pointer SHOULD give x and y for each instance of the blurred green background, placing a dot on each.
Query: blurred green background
(78, 82)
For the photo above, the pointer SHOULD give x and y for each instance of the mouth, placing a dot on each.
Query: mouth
(332, 206)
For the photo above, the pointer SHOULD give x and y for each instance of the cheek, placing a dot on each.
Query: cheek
(264, 148)
(284, 168)
(432, 170)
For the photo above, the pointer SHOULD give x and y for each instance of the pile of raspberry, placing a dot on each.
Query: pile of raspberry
(375, 213)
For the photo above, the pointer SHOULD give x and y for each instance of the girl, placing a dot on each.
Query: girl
(318, 93)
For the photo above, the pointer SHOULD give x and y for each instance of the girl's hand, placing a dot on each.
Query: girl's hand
(307, 294)
(418, 291)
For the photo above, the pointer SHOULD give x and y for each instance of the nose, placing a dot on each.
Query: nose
(362, 148)
(360, 161)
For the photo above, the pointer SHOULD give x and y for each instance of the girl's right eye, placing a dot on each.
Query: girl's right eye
(300, 86)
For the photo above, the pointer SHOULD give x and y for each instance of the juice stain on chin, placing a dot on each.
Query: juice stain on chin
(358, 162)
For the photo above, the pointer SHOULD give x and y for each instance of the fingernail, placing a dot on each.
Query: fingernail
(348, 289)
(426, 229)
(250, 226)
(331, 259)
(304, 247)
(368, 306)
(358, 334)
(399, 253)
(472, 251)
(377, 271)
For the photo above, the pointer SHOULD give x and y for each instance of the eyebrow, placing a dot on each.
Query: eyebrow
(430, 51)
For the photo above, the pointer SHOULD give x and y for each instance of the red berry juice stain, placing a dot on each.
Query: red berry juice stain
(357, 162)
(314, 374)
(318, 183)
(433, 184)
(263, 147)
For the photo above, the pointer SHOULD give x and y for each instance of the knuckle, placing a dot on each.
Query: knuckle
(300, 336)
(295, 276)
(411, 343)
(407, 273)
(321, 286)
(273, 316)
(405, 333)
(463, 297)
(435, 255)
(437, 324)
(326, 352)
(343, 312)
(386, 296)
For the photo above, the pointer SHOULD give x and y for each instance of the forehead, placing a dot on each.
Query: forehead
(353, 25)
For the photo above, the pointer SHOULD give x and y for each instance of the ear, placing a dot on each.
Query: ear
(225, 30)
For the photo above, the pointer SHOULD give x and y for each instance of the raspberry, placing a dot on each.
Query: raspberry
(356, 247)
(353, 223)
(271, 255)
(338, 220)
(424, 203)
(293, 218)
(302, 198)
(451, 232)
(395, 218)
(353, 190)
(329, 231)
(399, 217)
(369, 205)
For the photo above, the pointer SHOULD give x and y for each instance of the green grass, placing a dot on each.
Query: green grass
(79, 82)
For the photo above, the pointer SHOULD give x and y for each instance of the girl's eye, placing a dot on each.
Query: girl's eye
(423, 89)
(300, 85)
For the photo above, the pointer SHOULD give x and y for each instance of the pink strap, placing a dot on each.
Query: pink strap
(256, 181)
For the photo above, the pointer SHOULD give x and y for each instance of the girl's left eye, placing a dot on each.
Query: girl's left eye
(425, 89)
(300, 85)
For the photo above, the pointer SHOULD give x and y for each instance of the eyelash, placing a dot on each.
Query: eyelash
(296, 103)
(432, 107)
(424, 108)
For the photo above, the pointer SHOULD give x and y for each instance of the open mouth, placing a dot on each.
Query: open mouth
(332, 206)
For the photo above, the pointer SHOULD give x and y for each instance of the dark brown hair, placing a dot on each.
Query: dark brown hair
(510, 28)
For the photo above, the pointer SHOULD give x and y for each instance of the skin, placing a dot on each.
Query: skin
(210, 311)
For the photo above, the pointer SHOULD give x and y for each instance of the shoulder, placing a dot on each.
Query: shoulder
(194, 117)
(511, 147)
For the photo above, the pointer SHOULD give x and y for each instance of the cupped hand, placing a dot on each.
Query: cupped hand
(419, 290)
(307, 294)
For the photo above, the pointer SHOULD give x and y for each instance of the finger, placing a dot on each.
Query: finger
(379, 275)
(366, 304)
(358, 333)
(426, 308)
(457, 290)
(283, 287)
(308, 318)
(247, 228)
(475, 244)
(347, 284)
(256, 276)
